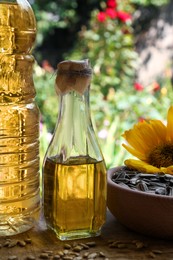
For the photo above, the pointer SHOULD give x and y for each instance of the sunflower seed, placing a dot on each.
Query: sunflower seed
(91, 244)
(12, 243)
(101, 254)
(152, 255)
(84, 246)
(156, 251)
(60, 253)
(139, 245)
(155, 183)
(49, 252)
(67, 246)
(160, 191)
(77, 248)
(21, 243)
(142, 186)
(66, 251)
(44, 256)
(56, 257)
(12, 257)
(28, 240)
(92, 255)
(85, 255)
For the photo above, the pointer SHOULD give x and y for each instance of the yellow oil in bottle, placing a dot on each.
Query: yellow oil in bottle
(19, 120)
(75, 196)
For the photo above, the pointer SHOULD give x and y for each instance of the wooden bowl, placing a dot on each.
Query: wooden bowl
(145, 213)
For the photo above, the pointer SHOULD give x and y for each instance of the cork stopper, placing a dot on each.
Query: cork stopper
(73, 75)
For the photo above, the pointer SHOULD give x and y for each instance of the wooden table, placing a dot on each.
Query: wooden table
(130, 246)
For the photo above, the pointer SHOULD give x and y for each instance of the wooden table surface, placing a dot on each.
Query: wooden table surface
(116, 242)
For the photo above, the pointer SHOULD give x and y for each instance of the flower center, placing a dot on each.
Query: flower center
(161, 156)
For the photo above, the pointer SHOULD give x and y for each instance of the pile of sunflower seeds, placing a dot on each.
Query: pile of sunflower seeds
(156, 183)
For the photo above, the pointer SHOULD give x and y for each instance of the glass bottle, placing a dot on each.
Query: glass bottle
(74, 170)
(19, 120)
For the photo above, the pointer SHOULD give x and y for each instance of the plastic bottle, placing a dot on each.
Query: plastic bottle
(74, 171)
(19, 120)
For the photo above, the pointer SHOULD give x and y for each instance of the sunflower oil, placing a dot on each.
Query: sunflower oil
(74, 171)
(75, 206)
(19, 120)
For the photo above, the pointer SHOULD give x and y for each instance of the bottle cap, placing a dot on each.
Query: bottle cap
(73, 75)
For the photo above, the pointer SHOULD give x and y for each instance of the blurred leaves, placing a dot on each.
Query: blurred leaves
(116, 105)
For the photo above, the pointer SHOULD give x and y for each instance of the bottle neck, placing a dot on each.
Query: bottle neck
(73, 124)
(74, 135)
(74, 109)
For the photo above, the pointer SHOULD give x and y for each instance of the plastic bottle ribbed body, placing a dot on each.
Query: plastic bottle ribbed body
(19, 120)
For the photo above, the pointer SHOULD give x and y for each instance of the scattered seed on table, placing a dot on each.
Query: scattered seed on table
(28, 240)
(91, 244)
(84, 246)
(101, 254)
(12, 243)
(92, 255)
(122, 245)
(44, 256)
(74, 253)
(85, 255)
(116, 243)
(110, 241)
(77, 248)
(74, 244)
(49, 252)
(68, 258)
(60, 253)
(56, 257)
(12, 257)
(156, 251)
(66, 251)
(78, 258)
(6, 243)
(152, 255)
(21, 243)
(67, 246)
(139, 245)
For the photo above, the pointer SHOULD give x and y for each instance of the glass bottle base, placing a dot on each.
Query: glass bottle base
(78, 234)
(10, 226)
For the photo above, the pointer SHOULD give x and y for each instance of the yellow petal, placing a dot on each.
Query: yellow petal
(159, 130)
(135, 152)
(141, 166)
(146, 135)
(168, 170)
(136, 138)
(170, 124)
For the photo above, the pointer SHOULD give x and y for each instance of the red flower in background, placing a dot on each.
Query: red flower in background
(111, 3)
(123, 16)
(111, 13)
(101, 17)
(141, 119)
(156, 86)
(46, 66)
(138, 86)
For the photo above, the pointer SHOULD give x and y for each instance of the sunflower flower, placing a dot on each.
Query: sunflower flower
(152, 143)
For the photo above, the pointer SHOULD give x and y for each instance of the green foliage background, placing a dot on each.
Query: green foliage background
(110, 46)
